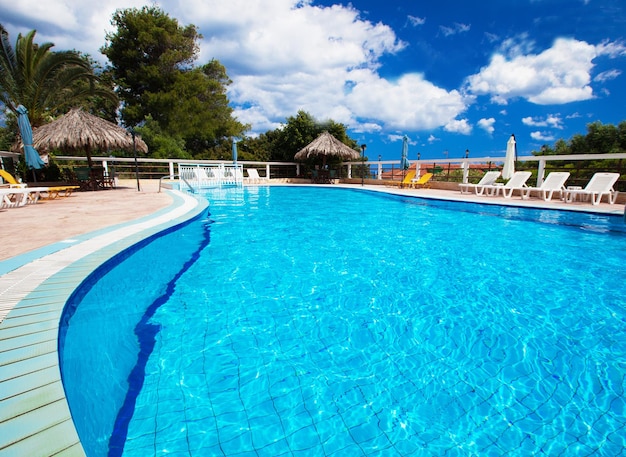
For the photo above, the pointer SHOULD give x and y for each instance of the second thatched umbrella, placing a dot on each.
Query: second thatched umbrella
(327, 145)
(78, 130)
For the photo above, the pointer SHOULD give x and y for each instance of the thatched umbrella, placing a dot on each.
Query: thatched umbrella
(78, 130)
(327, 145)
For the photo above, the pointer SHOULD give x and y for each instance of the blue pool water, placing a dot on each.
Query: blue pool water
(333, 322)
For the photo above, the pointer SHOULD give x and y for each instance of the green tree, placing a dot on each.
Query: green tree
(162, 145)
(151, 59)
(299, 131)
(621, 136)
(44, 81)
(599, 139)
(602, 138)
(259, 148)
(147, 51)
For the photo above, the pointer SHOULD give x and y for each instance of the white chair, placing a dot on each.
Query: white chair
(554, 182)
(599, 185)
(20, 196)
(253, 176)
(488, 179)
(517, 182)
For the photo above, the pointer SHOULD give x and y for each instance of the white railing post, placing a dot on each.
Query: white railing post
(171, 167)
(267, 171)
(466, 167)
(349, 171)
(380, 170)
(541, 171)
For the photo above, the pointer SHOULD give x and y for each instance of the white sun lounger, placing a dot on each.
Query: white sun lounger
(517, 182)
(253, 176)
(554, 182)
(599, 185)
(19, 196)
(488, 179)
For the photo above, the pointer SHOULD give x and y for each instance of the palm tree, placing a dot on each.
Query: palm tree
(44, 81)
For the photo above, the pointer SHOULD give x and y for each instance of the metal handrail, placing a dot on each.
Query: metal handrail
(193, 191)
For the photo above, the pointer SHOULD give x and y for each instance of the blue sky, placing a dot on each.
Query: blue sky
(451, 74)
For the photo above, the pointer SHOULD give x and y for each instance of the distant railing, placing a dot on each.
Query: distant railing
(198, 176)
(581, 167)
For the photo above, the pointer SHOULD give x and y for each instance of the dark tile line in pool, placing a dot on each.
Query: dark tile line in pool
(145, 331)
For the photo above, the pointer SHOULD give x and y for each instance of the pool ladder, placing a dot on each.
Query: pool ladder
(192, 189)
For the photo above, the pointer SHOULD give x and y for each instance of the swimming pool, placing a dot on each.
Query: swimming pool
(321, 321)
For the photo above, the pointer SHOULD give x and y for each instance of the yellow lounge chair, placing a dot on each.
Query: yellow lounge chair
(63, 191)
(48, 192)
(423, 182)
(406, 182)
(9, 179)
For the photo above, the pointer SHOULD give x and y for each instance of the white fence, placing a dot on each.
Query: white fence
(374, 168)
(195, 177)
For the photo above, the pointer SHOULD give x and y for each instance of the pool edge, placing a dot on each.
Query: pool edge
(35, 418)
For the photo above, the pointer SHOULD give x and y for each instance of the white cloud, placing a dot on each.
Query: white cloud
(552, 121)
(456, 28)
(69, 24)
(458, 126)
(487, 125)
(612, 49)
(395, 137)
(607, 75)
(560, 74)
(287, 56)
(410, 103)
(432, 139)
(541, 136)
(283, 37)
(415, 21)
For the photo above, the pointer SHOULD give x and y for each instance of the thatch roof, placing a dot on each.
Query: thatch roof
(78, 130)
(327, 145)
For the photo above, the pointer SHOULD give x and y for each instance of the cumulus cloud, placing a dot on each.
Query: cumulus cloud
(458, 126)
(282, 56)
(410, 103)
(287, 36)
(560, 74)
(291, 55)
(69, 24)
(552, 120)
(487, 124)
(542, 136)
